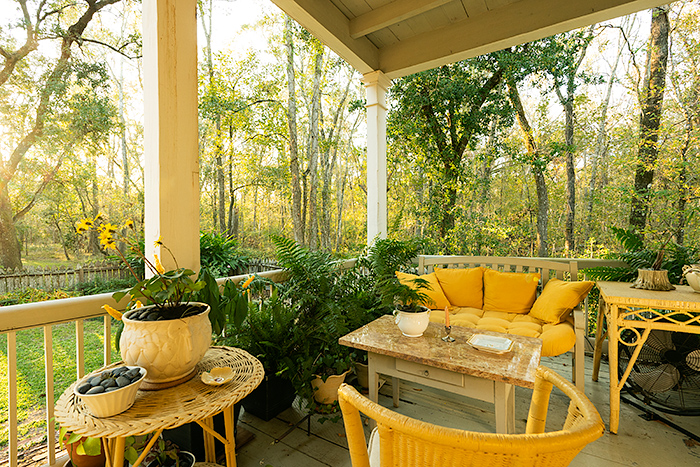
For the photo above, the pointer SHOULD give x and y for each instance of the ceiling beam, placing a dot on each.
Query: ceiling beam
(390, 14)
(497, 29)
(329, 25)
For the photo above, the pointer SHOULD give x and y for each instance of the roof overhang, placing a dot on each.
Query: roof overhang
(402, 37)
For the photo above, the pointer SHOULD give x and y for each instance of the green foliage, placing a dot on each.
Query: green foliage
(271, 334)
(229, 304)
(31, 295)
(219, 254)
(385, 257)
(98, 286)
(638, 256)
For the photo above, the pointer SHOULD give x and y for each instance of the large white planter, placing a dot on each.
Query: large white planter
(168, 349)
(326, 392)
(412, 324)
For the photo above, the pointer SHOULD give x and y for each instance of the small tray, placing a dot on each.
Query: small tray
(493, 344)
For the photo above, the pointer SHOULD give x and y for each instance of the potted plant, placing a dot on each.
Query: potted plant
(83, 451)
(269, 332)
(170, 334)
(165, 453)
(659, 262)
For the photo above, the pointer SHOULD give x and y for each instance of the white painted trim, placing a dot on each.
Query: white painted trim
(171, 140)
(329, 25)
(390, 14)
(513, 24)
(376, 86)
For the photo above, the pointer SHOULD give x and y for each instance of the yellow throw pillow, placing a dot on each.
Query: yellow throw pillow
(433, 291)
(558, 299)
(513, 292)
(462, 287)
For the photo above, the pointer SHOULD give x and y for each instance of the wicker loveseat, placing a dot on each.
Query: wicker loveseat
(504, 294)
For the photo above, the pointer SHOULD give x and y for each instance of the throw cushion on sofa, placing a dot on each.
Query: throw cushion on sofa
(558, 299)
(513, 292)
(462, 287)
(437, 299)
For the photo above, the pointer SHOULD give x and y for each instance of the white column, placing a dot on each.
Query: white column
(170, 130)
(376, 85)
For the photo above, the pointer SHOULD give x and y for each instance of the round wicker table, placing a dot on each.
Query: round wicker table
(154, 411)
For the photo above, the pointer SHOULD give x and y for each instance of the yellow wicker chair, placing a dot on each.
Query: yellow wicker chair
(406, 442)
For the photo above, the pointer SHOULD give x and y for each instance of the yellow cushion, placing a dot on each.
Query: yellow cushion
(558, 299)
(462, 287)
(558, 339)
(513, 292)
(436, 297)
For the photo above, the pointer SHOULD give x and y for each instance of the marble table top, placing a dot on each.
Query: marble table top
(516, 367)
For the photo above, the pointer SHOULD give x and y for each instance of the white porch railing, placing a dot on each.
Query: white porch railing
(47, 314)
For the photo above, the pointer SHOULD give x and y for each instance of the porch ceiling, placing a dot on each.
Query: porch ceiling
(401, 37)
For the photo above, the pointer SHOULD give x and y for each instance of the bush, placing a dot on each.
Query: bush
(220, 255)
(30, 295)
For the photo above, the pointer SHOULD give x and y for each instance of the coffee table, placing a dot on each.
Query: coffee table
(455, 367)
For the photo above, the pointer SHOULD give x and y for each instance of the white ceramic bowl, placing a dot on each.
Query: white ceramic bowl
(107, 404)
(693, 279)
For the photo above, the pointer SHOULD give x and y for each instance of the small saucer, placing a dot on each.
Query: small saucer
(217, 376)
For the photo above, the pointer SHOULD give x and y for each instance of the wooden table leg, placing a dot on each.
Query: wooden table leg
(118, 452)
(613, 339)
(504, 407)
(599, 338)
(395, 393)
(230, 437)
(209, 443)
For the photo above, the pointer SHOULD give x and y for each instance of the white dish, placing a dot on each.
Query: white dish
(107, 404)
(494, 344)
(217, 376)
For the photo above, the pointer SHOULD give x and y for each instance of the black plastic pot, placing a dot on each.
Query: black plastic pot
(274, 395)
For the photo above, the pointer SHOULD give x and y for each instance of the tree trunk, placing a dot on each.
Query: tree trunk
(312, 150)
(652, 103)
(122, 131)
(10, 253)
(297, 219)
(328, 163)
(601, 149)
(537, 165)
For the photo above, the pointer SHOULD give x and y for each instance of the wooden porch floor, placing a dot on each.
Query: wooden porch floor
(639, 442)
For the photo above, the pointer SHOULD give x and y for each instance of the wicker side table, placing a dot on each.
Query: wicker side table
(154, 411)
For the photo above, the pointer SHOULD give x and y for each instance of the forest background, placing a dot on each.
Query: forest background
(538, 150)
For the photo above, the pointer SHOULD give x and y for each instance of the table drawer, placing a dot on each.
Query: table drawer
(429, 372)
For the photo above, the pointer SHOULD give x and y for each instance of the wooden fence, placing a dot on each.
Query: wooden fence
(68, 278)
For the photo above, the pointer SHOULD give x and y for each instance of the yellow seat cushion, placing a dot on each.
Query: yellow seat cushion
(512, 292)
(558, 299)
(556, 338)
(462, 287)
(436, 297)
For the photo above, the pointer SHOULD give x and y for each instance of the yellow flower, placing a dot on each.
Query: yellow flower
(138, 304)
(159, 265)
(113, 313)
(129, 224)
(83, 226)
(158, 242)
(247, 282)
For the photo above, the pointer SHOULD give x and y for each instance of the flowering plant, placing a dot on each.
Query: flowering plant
(165, 290)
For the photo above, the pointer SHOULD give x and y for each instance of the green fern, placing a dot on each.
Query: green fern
(638, 256)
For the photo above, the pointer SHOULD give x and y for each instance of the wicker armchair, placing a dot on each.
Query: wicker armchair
(405, 442)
